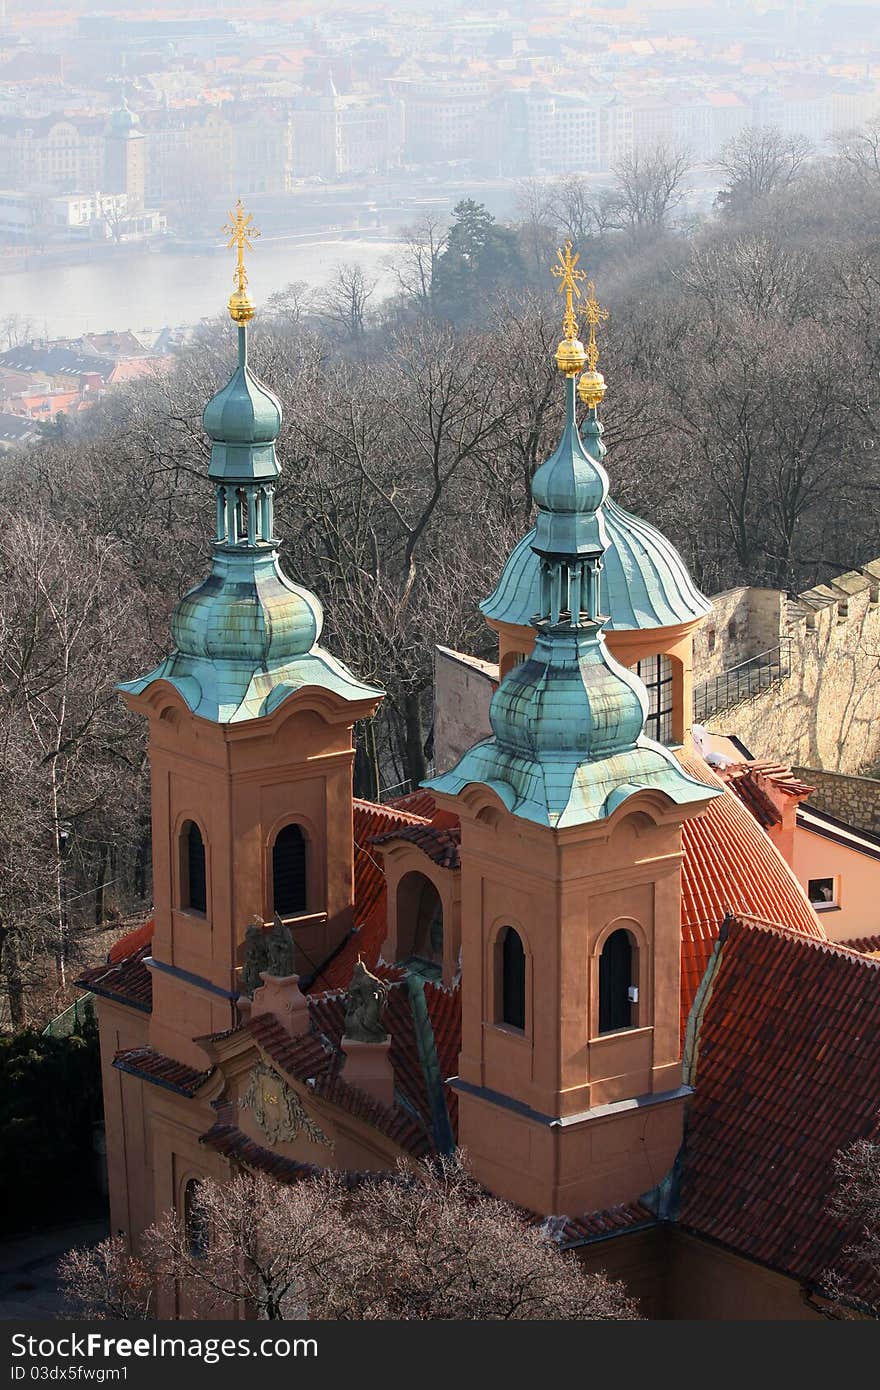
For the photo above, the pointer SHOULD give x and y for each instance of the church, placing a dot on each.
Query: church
(579, 952)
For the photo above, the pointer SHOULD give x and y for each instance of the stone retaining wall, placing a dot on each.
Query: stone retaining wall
(853, 799)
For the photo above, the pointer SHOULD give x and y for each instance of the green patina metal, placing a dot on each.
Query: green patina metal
(247, 637)
(568, 723)
(644, 580)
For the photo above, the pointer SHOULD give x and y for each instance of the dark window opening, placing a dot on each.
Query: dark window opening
(289, 872)
(195, 1221)
(821, 892)
(513, 980)
(197, 889)
(615, 981)
(656, 674)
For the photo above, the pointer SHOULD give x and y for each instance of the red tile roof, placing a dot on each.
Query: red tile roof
(444, 1012)
(787, 1072)
(755, 783)
(128, 981)
(132, 941)
(731, 865)
(225, 1138)
(864, 944)
(161, 1070)
(370, 895)
(308, 1059)
(443, 846)
(596, 1225)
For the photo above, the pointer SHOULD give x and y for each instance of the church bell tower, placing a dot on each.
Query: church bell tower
(250, 738)
(570, 1079)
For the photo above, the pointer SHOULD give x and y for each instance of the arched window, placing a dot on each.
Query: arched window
(513, 980)
(195, 1221)
(194, 889)
(419, 919)
(656, 672)
(289, 871)
(615, 980)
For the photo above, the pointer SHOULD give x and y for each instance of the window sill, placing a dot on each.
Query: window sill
(825, 907)
(507, 1030)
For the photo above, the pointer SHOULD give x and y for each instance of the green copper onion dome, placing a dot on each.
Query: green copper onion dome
(568, 491)
(645, 582)
(569, 696)
(246, 637)
(243, 422)
(568, 744)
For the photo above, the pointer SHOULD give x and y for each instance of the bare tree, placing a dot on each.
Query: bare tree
(432, 1245)
(758, 162)
(860, 148)
(406, 1245)
(854, 1283)
(344, 302)
(252, 1243)
(105, 1281)
(649, 186)
(415, 262)
(583, 209)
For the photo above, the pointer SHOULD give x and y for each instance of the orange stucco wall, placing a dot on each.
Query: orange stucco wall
(531, 1101)
(858, 880)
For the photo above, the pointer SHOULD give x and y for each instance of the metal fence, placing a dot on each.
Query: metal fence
(743, 681)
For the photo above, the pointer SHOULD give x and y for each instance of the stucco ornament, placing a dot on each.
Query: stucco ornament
(278, 1110)
(365, 1002)
(256, 955)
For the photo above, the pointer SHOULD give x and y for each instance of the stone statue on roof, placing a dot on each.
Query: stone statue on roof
(280, 950)
(256, 955)
(365, 1002)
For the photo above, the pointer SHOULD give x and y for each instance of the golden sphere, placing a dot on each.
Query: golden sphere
(241, 307)
(571, 356)
(591, 388)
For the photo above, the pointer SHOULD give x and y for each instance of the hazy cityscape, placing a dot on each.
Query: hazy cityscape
(125, 131)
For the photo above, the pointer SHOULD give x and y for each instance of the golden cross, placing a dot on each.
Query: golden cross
(241, 233)
(568, 276)
(595, 315)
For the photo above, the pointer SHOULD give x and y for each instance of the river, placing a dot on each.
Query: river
(148, 290)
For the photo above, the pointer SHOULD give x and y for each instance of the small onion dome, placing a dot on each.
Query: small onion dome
(569, 697)
(247, 610)
(243, 420)
(571, 355)
(592, 388)
(569, 489)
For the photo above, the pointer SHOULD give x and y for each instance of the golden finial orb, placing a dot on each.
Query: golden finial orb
(591, 387)
(241, 233)
(571, 355)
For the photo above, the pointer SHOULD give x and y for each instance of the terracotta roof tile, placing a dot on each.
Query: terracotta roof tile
(442, 846)
(787, 1073)
(730, 866)
(444, 1012)
(227, 1139)
(307, 1059)
(132, 941)
(595, 1225)
(160, 1070)
(128, 980)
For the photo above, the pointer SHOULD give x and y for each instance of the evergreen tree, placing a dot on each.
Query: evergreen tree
(480, 256)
